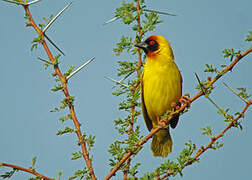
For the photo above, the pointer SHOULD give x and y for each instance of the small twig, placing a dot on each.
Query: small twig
(30, 170)
(33, 2)
(140, 64)
(52, 21)
(54, 44)
(41, 59)
(79, 68)
(235, 93)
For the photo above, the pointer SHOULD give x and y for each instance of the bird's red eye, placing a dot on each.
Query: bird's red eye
(152, 42)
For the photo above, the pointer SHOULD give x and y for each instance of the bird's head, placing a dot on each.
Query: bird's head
(155, 45)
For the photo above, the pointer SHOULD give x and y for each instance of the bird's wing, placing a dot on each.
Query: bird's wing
(175, 119)
(148, 122)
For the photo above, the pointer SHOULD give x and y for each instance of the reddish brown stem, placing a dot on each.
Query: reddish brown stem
(138, 70)
(30, 170)
(153, 131)
(125, 172)
(138, 18)
(140, 34)
(63, 80)
(157, 175)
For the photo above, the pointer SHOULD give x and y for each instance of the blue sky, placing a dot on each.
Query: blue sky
(197, 35)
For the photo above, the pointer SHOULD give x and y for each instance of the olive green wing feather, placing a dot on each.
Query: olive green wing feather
(175, 119)
(147, 120)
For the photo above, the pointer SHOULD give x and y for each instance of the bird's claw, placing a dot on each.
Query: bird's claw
(161, 122)
(185, 100)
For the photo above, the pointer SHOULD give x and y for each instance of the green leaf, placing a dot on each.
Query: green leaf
(65, 131)
(41, 26)
(68, 101)
(35, 45)
(36, 41)
(57, 87)
(207, 131)
(65, 118)
(34, 159)
(76, 155)
(216, 145)
(27, 17)
(8, 174)
(55, 110)
(133, 170)
(211, 69)
(124, 44)
(126, 12)
(249, 36)
(231, 53)
(126, 67)
(80, 174)
(69, 71)
(90, 142)
(243, 93)
(149, 176)
(56, 58)
(150, 22)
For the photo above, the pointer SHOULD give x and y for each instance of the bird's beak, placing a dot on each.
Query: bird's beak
(142, 45)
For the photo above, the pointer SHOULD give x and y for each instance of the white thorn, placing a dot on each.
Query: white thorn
(54, 44)
(111, 20)
(125, 77)
(118, 82)
(15, 2)
(159, 12)
(50, 23)
(235, 93)
(79, 68)
(35, 1)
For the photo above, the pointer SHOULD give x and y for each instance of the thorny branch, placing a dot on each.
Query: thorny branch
(181, 109)
(30, 170)
(63, 80)
(140, 34)
(138, 70)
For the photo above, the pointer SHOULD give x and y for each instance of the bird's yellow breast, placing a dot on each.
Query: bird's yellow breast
(161, 86)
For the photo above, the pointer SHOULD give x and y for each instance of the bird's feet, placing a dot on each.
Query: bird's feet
(185, 100)
(161, 122)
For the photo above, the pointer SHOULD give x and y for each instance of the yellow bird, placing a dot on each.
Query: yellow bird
(161, 86)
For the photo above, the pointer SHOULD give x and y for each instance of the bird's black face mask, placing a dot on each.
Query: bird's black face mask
(149, 45)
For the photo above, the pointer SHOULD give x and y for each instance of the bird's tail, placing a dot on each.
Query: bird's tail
(161, 143)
